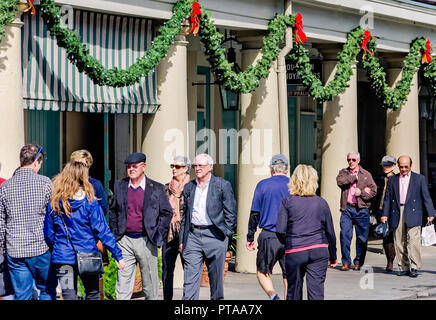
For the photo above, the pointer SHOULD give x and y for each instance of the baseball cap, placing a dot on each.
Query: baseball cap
(279, 159)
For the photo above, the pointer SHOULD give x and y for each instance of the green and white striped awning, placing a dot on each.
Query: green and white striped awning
(51, 82)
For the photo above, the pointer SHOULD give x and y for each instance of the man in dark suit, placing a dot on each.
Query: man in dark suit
(406, 202)
(208, 223)
(139, 217)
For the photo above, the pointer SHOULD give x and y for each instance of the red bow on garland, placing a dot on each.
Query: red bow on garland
(195, 21)
(365, 41)
(300, 36)
(31, 7)
(426, 58)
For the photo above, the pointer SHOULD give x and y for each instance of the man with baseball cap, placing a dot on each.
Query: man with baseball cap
(388, 164)
(265, 206)
(139, 217)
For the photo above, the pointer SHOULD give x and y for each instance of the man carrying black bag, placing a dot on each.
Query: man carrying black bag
(388, 165)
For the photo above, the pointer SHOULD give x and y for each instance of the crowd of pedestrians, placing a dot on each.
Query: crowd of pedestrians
(46, 226)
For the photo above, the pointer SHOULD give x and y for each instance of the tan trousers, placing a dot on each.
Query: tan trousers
(407, 245)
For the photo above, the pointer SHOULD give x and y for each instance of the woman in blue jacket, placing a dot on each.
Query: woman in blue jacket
(73, 203)
(304, 224)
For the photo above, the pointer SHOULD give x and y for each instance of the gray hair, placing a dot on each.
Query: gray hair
(208, 158)
(355, 153)
(183, 161)
(279, 168)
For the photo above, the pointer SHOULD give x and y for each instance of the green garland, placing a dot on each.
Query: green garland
(249, 80)
(8, 10)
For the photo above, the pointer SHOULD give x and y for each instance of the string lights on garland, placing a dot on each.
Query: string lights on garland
(358, 41)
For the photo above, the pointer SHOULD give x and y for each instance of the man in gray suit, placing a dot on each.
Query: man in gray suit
(208, 223)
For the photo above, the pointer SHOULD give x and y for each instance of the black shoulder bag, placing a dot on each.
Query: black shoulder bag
(88, 263)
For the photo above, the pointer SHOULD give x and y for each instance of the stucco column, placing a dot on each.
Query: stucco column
(339, 124)
(402, 125)
(260, 140)
(166, 132)
(11, 110)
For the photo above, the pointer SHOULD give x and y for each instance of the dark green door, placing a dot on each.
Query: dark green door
(43, 129)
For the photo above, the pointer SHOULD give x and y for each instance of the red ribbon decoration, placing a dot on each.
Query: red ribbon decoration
(365, 41)
(31, 7)
(426, 57)
(195, 21)
(300, 36)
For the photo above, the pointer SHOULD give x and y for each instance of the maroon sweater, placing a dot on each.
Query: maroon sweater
(134, 210)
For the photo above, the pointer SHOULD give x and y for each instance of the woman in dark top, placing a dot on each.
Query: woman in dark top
(180, 168)
(305, 225)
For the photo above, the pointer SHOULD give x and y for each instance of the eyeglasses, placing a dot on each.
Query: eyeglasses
(176, 166)
(351, 159)
(403, 167)
(134, 166)
(37, 155)
(200, 165)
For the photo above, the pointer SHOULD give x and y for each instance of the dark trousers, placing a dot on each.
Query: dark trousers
(312, 264)
(67, 276)
(359, 218)
(170, 251)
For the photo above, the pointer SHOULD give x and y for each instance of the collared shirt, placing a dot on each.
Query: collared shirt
(404, 185)
(199, 211)
(352, 193)
(141, 185)
(23, 205)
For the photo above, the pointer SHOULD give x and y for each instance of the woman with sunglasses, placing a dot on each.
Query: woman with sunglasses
(73, 210)
(174, 189)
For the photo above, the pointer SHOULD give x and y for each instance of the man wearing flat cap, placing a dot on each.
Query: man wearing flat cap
(139, 217)
(388, 165)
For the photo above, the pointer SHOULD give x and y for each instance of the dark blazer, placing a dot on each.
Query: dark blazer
(418, 202)
(220, 205)
(157, 210)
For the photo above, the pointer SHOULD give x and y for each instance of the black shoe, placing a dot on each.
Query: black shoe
(413, 273)
(403, 273)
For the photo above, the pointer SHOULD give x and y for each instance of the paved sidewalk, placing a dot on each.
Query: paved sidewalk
(344, 285)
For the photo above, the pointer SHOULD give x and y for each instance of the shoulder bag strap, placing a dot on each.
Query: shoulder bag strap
(66, 231)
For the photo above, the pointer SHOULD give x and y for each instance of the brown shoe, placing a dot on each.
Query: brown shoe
(345, 267)
(356, 267)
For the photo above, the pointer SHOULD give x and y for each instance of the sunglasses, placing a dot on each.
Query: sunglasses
(37, 155)
(134, 166)
(176, 166)
(351, 159)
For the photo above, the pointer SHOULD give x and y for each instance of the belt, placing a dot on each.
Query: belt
(193, 226)
(135, 235)
(352, 204)
(401, 204)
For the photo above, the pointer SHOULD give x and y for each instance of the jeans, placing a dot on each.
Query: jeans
(27, 271)
(359, 218)
(67, 277)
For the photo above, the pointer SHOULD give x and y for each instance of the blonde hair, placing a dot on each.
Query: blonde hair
(82, 155)
(67, 183)
(304, 181)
